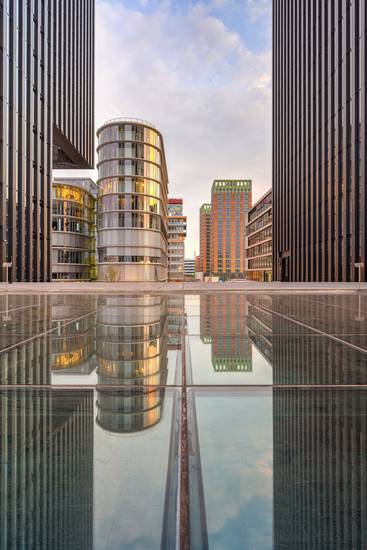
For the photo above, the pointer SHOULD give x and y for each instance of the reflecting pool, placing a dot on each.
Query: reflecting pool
(201, 421)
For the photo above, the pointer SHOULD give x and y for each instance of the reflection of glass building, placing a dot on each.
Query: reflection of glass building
(304, 354)
(298, 353)
(28, 364)
(260, 325)
(74, 229)
(73, 345)
(46, 482)
(132, 204)
(319, 469)
(176, 320)
(46, 455)
(319, 435)
(131, 352)
(222, 324)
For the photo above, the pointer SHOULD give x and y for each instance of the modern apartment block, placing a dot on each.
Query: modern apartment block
(231, 201)
(74, 229)
(259, 257)
(132, 203)
(205, 238)
(176, 225)
(46, 121)
(319, 140)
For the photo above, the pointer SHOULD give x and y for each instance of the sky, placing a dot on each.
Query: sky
(200, 71)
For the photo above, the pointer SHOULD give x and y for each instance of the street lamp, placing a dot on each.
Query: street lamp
(7, 265)
(359, 266)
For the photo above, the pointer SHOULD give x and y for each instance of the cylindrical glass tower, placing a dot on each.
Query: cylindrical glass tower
(132, 204)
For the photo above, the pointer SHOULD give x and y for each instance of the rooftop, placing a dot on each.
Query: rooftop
(88, 184)
(231, 185)
(126, 120)
(205, 208)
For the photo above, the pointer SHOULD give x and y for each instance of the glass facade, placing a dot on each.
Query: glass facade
(74, 229)
(259, 246)
(46, 121)
(132, 203)
(319, 140)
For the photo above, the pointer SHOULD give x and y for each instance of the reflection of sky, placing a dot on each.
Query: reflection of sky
(62, 377)
(130, 473)
(236, 446)
(203, 371)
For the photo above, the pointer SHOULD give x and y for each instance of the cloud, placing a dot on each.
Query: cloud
(257, 9)
(236, 449)
(192, 76)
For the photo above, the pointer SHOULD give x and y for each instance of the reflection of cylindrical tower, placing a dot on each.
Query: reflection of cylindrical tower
(131, 352)
(132, 204)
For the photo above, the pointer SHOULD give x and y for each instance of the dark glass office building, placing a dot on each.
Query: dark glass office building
(46, 120)
(319, 140)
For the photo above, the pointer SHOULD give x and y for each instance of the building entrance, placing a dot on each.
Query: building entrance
(284, 269)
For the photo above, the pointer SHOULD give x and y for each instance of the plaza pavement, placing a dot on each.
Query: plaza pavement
(186, 287)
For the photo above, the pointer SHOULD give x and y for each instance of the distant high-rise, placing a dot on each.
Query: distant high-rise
(189, 267)
(319, 140)
(176, 225)
(198, 267)
(231, 200)
(205, 238)
(46, 120)
(132, 203)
